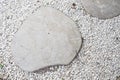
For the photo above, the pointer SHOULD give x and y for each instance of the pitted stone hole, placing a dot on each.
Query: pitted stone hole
(48, 33)
(38, 1)
(1, 34)
(118, 38)
(74, 4)
(118, 78)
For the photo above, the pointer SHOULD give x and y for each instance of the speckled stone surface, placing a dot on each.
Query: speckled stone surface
(47, 37)
(99, 58)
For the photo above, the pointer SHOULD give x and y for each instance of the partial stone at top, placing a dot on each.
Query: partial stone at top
(47, 37)
(102, 9)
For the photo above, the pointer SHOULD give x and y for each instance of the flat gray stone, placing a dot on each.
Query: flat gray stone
(102, 8)
(46, 38)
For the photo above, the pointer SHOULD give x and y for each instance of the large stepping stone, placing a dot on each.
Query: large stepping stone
(102, 9)
(47, 37)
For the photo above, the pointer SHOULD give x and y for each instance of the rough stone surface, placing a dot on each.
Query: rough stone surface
(102, 8)
(47, 37)
(99, 57)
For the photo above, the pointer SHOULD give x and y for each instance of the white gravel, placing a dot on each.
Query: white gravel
(99, 58)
